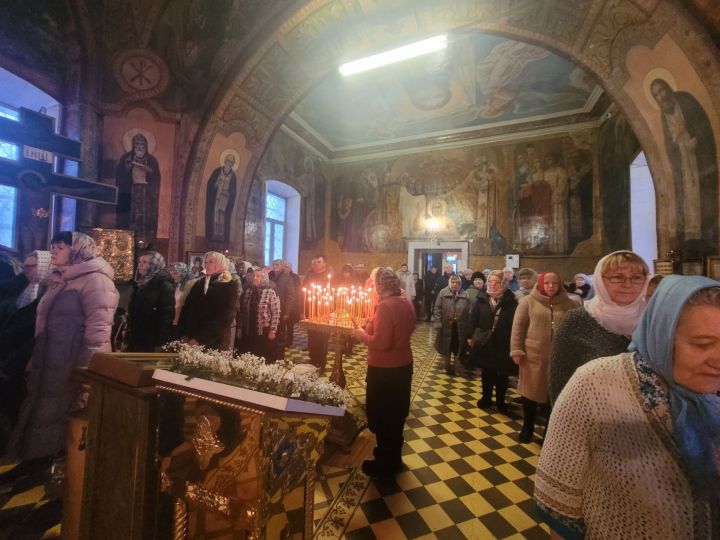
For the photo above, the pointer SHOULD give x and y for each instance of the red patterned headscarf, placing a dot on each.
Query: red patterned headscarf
(541, 283)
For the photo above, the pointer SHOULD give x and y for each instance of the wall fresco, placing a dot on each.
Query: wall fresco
(534, 197)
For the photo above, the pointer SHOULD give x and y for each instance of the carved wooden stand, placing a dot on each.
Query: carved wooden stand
(241, 467)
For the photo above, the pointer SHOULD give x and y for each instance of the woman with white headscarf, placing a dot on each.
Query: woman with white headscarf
(603, 326)
(633, 446)
(74, 321)
(152, 305)
(208, 313)
(17, 336)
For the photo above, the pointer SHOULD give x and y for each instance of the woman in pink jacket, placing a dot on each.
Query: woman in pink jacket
(74, 321)
(389, 374)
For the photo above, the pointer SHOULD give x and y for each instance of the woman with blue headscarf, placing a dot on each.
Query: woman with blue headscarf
(633, 446)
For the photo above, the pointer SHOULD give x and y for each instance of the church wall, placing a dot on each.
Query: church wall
(535, 197)
(118, 131)
(228, 152)
(286, 160)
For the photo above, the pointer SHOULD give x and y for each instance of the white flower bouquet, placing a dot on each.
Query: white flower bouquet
(252, 373)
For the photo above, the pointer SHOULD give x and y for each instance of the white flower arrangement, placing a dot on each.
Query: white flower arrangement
(251, 372)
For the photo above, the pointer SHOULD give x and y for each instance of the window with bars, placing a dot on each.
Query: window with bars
(275, 213)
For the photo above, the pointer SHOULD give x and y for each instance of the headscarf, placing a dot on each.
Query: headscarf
(83, 248)
(30, 292)
(613, 317)
(387, 283)
(695, 417)
(540, 285)
(584, 277)
(157, 263)
(183, 273)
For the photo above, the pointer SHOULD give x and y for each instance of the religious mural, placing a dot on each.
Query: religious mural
(220, 200)
(479, 81)
(138, 180)
(288, 162)
(691, 150)
(532, 197)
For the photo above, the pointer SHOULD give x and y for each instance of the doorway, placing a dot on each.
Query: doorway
(423, 255)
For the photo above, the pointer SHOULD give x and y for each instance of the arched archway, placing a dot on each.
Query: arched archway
(619, 42)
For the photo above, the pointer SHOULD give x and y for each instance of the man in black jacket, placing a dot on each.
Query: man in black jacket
(318, 341)
(430, 281)
(285, 289)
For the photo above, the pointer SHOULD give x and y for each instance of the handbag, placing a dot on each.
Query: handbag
(482, 336)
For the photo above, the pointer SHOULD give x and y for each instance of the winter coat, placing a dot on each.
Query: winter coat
(17, 337)
(286, 290)
(74, 321)
(495, 354)
(388, 333)
(536, 319)
(151, 313)
(267, 316)
(450, 308)
(207, 317)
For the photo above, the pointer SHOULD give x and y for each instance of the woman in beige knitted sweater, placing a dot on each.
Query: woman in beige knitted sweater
(633, 446)
(535, 319)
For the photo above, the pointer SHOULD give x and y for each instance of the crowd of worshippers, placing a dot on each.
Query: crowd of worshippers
(627, 379)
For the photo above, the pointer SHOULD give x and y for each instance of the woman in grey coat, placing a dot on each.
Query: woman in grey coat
(452, 307)
(74, 321)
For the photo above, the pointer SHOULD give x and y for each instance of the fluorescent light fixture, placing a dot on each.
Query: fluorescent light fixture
(405, 52)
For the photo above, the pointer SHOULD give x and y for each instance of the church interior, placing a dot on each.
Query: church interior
(546, 132)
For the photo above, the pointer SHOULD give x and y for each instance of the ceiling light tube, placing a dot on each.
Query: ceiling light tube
(405, 52)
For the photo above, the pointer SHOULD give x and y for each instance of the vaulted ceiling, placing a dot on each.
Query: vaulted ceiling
(480, 84)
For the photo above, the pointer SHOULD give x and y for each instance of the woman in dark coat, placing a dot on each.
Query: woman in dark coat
(152, 305)
(494, 312)
(74, 321)
(17, 337)
(209, 310)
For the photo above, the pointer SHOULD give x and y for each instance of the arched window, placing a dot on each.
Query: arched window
(15, 93)
(642, 210)
(282, 223)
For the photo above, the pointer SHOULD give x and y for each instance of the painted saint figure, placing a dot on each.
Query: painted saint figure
(138, 182)
(555, 175)
(220, 199)
(691, 149)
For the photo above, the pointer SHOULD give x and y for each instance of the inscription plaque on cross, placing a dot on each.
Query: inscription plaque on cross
(33, 173)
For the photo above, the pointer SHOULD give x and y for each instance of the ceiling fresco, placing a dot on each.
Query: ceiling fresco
(480, 81)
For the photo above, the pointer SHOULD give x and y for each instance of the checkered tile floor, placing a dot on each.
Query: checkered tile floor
(466, 475)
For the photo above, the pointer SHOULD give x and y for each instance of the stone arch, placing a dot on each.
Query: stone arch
(596, 34)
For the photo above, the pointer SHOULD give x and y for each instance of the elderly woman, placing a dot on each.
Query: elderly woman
(74, 321)
(604, 325)
(582, 286)
(208, 313)
(491, 319)
(152, 305)
(633, 443)
(259, 319)
(180, 273)
(389, 373)
(532, 332)
(452, 307)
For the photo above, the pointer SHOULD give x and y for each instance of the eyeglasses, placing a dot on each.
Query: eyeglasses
(619, 280)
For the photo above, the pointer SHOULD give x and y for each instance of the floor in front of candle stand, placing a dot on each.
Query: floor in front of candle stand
(466, 475)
